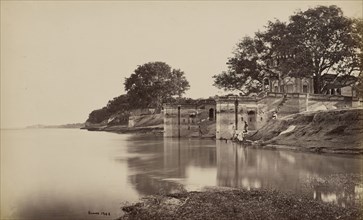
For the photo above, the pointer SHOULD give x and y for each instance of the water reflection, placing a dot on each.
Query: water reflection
(167, 165)
(321, 177)
(64, 174)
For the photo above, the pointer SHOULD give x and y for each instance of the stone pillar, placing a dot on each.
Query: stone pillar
(179, 121)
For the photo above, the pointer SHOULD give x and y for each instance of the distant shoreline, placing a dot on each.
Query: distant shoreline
(73, 125)
(126, 130)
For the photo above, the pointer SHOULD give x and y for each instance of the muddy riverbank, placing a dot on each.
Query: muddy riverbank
(333, 131)
(237, 204)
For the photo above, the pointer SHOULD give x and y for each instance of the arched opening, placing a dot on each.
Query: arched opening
(211, 114)
(339, 91)
(305, 88)
(251, 113)
(290, 87)
(282, 89)
(251, 120)
(266, 85)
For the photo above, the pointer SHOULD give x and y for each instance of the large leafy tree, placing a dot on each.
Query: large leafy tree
(153, 83)
(312, 43)
(325, 39)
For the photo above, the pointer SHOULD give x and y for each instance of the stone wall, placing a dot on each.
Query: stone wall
(293, 103)
(357, 102)
(233, 112)
(226, 118)
(184, 120)
(328, 102)
(135, 114)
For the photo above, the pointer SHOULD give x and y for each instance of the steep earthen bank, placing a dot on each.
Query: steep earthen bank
(334, 131)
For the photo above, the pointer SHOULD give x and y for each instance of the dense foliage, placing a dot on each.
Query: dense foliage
(118, 104)
(153, 83)
(312, 43)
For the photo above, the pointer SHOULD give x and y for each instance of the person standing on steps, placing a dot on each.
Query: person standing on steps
(246, 127)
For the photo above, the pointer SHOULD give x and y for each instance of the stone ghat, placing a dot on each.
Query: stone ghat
(232, 113)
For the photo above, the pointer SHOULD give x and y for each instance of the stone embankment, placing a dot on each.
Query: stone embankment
(333, 131)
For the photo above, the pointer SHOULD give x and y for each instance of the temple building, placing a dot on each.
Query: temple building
(291, 85)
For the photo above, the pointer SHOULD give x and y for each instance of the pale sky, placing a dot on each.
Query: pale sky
(62, 59)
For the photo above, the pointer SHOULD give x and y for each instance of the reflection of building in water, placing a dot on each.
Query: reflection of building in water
(240, 167)
(163, 165)
(248, 168)
(180, 154)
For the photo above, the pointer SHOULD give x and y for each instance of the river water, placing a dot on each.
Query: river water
(76, 174)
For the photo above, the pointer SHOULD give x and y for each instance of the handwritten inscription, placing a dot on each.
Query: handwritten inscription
(99, 213)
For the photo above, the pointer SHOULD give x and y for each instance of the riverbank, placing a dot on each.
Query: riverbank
(333, 131)
(225, 203)
(153, 123)
(126, 130)
(337, 131)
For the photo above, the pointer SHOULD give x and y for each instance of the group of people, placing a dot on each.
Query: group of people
(239, 134)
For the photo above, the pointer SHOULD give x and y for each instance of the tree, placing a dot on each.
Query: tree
(154, 82)
(98, 116)
(244, 71)
(118, 104)
(312, 43)
(324, 37)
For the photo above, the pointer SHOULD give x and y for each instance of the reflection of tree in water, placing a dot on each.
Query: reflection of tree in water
(242, 167)
(159, 165)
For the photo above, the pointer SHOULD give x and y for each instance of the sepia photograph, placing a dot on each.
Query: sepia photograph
(123, 110)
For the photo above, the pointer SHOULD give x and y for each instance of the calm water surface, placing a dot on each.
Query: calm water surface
(76, 174)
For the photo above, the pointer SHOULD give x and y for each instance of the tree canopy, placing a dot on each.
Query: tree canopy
(153, 83)
(312, 43)
(118, 104)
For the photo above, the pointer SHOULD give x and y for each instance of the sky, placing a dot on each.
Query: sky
(62, 59)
